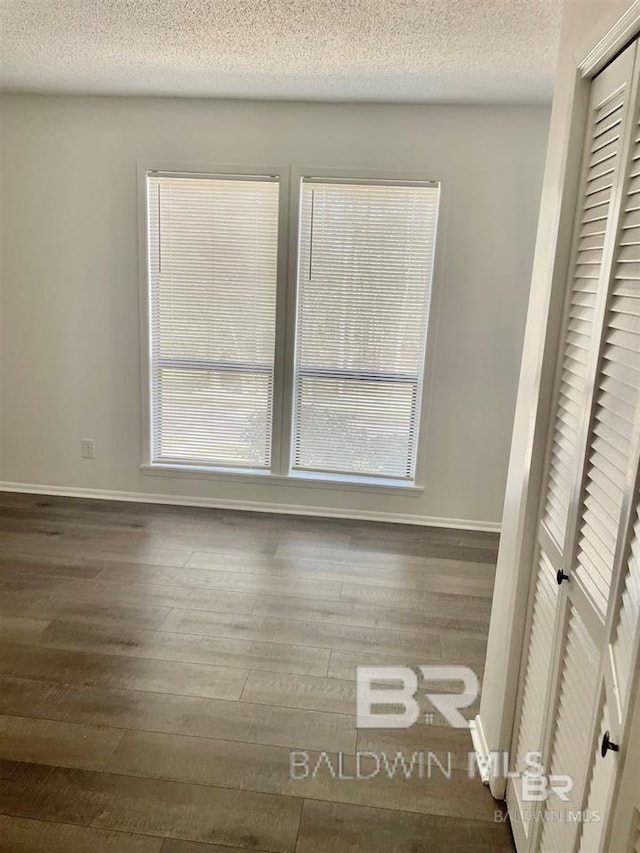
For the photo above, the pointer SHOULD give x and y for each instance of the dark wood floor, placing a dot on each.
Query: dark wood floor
(158, 665)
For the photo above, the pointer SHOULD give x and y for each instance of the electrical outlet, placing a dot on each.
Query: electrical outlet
(88, 448)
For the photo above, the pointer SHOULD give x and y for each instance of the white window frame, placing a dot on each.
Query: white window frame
(290, 183)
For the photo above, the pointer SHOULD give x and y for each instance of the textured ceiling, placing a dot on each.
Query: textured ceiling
(478, 51)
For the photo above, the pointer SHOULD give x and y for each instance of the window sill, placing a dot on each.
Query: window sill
(296, 478)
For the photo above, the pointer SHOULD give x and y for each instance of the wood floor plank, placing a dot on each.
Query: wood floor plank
(190, 648)
(228, 763)
(228, 581)
(245, 626)
(96, 592)
(465, 647)
(153, 807)
(418, 558)
(327, 827)
(403, 542)
(184, 715)
(23, 835)
(172, 846)
(220, 537)
(15, 505)
(361, 615)
(80, 526)
(316, 537)
(300, 632)
(206, 536)
(417, 781)
(430, 549)
(137, 542)
(459, 609)
(55, 742)
(234, 533)
(454, 583)
(40, 607)
(451, 746)
(42, 545)
(343, 664)
(21, 627)
(407, 573)
(378, 534)
(133, 553)
(448, 584)
(64, 666)
(203, 761)
(15, 567)
(300, 691)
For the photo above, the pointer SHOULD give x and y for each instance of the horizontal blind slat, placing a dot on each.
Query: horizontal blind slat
(212, 276)
(364, 286)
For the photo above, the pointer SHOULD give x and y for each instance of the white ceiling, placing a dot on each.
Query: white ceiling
(478, 51)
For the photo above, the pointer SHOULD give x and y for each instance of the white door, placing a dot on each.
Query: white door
(583, 621)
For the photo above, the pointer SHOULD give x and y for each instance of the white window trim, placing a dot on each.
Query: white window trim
(290, 178)
(297, 478)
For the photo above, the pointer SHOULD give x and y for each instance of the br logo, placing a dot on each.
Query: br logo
(395, 688)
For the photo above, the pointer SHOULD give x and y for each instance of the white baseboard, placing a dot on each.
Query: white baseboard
(496, 781)
(252, 506)
(480, 748)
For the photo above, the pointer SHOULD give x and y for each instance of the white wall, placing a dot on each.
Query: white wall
(70, 353)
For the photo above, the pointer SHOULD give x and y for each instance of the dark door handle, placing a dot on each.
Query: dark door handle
(560, 576)
(607, 745)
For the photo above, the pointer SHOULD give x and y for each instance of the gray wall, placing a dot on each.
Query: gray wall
(70, 351)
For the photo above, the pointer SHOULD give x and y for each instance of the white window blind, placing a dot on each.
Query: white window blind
(212, 258)
(364, 284)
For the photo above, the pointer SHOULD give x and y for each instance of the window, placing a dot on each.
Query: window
(335, 390)
(212, 275)
(364, 285)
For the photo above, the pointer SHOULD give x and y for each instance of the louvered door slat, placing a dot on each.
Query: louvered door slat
(606, 537)
(603, 445)
(626, 299)
(598, 509)
(603, 486)
(593, 243)
(633, 219)
(630, 235)
(590, 256)
(628, 616)
(615, 415)
(601, 155)
(615, 104)
(624, 392)
(606, 130)
(626, 322)
(599, 496)
(544, 606)
(600, 178)
(570, 749)
(557, 501)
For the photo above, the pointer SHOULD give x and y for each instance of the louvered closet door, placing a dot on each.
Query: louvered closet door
(603, 584)
(611, 584)
(561, 681)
